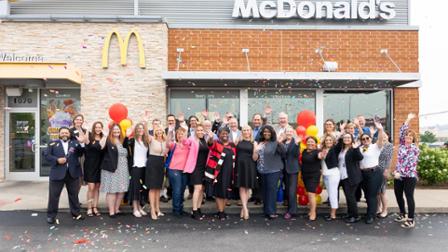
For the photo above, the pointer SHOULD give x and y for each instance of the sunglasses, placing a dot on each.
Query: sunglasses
(365, 138)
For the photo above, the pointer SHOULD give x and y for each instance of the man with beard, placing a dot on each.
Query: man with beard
(64, 155)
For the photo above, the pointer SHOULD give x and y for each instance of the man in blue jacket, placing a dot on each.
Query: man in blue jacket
(63, 154)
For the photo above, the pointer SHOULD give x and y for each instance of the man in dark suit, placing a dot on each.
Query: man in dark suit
(63, 154)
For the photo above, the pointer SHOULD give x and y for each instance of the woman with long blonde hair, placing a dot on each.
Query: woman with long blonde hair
(158, 148)
(246, 168)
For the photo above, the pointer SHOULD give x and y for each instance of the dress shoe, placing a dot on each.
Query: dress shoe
(369, 220)
(78, 217)
(51, 220)
(353, 219)
(329, 218)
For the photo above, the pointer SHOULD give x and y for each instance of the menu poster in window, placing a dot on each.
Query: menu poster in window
(58, 108)
(22, 127)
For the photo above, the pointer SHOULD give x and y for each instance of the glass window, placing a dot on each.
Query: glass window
(291, 102)
(193, 102)
(340, 105)
(57, 109)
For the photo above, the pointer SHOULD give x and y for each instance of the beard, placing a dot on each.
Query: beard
(64, 138)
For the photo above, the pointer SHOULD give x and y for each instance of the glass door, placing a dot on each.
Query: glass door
(21, 144)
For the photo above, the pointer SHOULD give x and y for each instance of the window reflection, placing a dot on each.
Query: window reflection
(193, 102)
(347, 105)
(290, 102)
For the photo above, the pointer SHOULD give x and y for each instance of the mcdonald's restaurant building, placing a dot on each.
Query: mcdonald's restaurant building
(338, 58)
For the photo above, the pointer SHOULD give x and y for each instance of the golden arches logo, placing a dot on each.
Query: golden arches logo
(123, 46)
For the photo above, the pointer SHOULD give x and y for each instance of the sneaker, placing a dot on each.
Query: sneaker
(401, 218)
(409, 223)
(287, 216)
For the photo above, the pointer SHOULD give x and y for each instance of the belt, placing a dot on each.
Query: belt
(369, 169)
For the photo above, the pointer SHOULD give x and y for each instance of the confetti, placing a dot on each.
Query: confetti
(17, 199)
(81, 241)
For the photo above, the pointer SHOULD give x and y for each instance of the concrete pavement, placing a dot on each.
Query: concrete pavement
(25, 195)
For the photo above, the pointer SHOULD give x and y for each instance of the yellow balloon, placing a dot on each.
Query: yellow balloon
(312, 131)
(300, 181)
(125, 124)
(318, 199)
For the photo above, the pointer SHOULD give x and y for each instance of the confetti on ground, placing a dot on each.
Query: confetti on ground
(17, 199)
(81, 241)
(34, 214)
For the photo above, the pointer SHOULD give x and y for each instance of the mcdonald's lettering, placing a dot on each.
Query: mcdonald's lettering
(123, 46)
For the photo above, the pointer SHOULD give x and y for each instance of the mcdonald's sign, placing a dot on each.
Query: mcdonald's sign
(123, 46)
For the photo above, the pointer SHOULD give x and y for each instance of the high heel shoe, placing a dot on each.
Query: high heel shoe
(160, 214)
(246, 214)
(154, 216)
(137, 214)
(142, 212)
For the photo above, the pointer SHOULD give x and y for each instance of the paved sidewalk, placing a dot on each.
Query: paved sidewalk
(20, 195)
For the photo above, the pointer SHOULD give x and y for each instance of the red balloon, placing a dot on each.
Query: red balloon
(319, 190)
(306, 118)
(301, 131)
(303, 200)
(301, 190)
(118, 112)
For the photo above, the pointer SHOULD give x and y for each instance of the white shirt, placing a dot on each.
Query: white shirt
(234, 136)
(371, 156)
(140, 152)
(65, 146)
(342, 167)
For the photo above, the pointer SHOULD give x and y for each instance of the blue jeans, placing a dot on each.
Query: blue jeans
(270, 187)
(178, 182)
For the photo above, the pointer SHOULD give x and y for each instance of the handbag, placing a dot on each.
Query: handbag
(169, 157)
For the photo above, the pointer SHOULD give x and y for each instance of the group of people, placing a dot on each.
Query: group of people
(218, 159)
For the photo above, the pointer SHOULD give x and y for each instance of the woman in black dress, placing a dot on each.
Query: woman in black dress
(155, 170)
(246, 169)
(197, 176)
(311, 166)
(219, 169)
(92, 168)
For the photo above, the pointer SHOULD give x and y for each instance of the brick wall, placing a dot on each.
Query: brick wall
(80, 44)
(406, 100)
(292, 50)
(2, 133)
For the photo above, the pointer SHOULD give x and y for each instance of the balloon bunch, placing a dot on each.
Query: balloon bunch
(119, 114)
(306, 121)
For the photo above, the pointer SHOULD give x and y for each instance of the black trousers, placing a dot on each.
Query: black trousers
(257, 193)
(406, 185)
(55, 189)
(349, 192)
(372, 180)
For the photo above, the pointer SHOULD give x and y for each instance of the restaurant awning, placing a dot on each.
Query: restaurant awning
(44, 74)
(294, 79)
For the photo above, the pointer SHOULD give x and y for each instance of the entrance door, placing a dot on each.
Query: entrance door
(22, 150)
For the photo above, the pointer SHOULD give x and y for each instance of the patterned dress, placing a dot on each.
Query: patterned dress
(407, 156)
(384, 162)
(118, 181)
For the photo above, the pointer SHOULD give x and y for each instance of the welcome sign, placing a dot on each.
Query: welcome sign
(288, 9)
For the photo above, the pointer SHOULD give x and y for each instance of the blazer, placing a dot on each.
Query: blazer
(352, 158)
(55, 150)
(238, 136)
(110, 158)
(332, 159)
(292, 157)
(129, 144)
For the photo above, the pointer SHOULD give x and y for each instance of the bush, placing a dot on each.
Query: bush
(433, 165)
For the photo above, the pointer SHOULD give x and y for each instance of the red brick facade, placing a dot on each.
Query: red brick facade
(294, 51)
